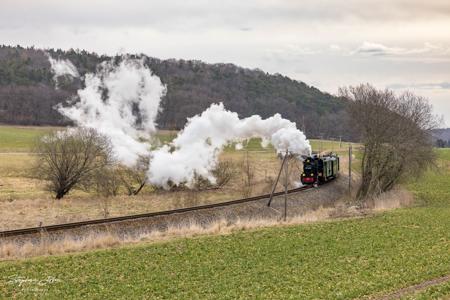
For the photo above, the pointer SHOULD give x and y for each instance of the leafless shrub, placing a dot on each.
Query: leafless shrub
(393, 199)
(294, 170)
(223, 173)
(67, 159)
(269, 181)
(192, 197)
(105, 205)
(200, 183)
(105, 182)
(134, 178)
(395, 133)
(247, 176)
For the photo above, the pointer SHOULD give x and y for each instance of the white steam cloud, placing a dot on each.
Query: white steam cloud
(122, 102)
(62, 67)
(197, 147)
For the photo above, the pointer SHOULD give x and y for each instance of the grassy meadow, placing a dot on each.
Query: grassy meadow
(17, 158)
(20, 139)
(354, 258)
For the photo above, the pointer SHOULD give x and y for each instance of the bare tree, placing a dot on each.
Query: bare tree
(294, 169)
(395, 131)
(248, 175)
(104, 181)
(67, 159)
(134, 178)
(223, 172)
(105, 204)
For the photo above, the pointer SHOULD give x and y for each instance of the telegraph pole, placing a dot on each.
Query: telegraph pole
(278, 178)
(350, 153)
(286, 181)
(321, 141)
(303, 124)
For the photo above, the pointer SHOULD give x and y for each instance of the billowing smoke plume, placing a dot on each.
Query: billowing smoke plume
(195, 150)
(122, 102)
(62, 67)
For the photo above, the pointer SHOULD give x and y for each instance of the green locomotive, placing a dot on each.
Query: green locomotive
(318, 169)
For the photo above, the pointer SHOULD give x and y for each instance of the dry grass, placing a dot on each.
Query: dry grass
(13, 188)
(46, 211)
(16, 164)
(24, 202)
(74, 243)
(396, 198)
(71, 243)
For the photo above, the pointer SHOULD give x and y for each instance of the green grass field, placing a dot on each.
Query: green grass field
(22, 139)
(434, 188)
(332, 260)
(436, 292)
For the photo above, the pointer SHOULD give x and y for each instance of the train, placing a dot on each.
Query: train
(318, 169)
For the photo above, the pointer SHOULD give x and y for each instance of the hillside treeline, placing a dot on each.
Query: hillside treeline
(28, 94)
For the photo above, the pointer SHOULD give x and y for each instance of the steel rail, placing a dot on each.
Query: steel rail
(57, 227)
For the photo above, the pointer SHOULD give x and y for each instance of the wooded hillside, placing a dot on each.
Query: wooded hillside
(28, 94)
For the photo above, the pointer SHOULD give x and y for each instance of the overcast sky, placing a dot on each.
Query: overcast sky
(390, 43)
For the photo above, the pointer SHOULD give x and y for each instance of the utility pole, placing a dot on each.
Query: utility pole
(303, 124)
(350, 153)
(286, 181)
(278, 178)
(321, 141)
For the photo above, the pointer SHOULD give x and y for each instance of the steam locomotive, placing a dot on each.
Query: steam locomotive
(319, 168)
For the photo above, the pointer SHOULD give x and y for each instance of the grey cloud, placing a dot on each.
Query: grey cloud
(204, 14)
(439, 85)
(376, 49)
(310, 40)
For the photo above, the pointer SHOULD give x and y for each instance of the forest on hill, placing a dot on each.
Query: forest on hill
(442, 137)
(28, 94)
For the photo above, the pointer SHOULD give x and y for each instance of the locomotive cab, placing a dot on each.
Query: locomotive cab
(309, 171)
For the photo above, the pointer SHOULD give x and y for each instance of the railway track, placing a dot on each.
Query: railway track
(58, 227)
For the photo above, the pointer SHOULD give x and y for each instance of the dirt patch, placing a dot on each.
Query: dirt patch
(415, 288)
